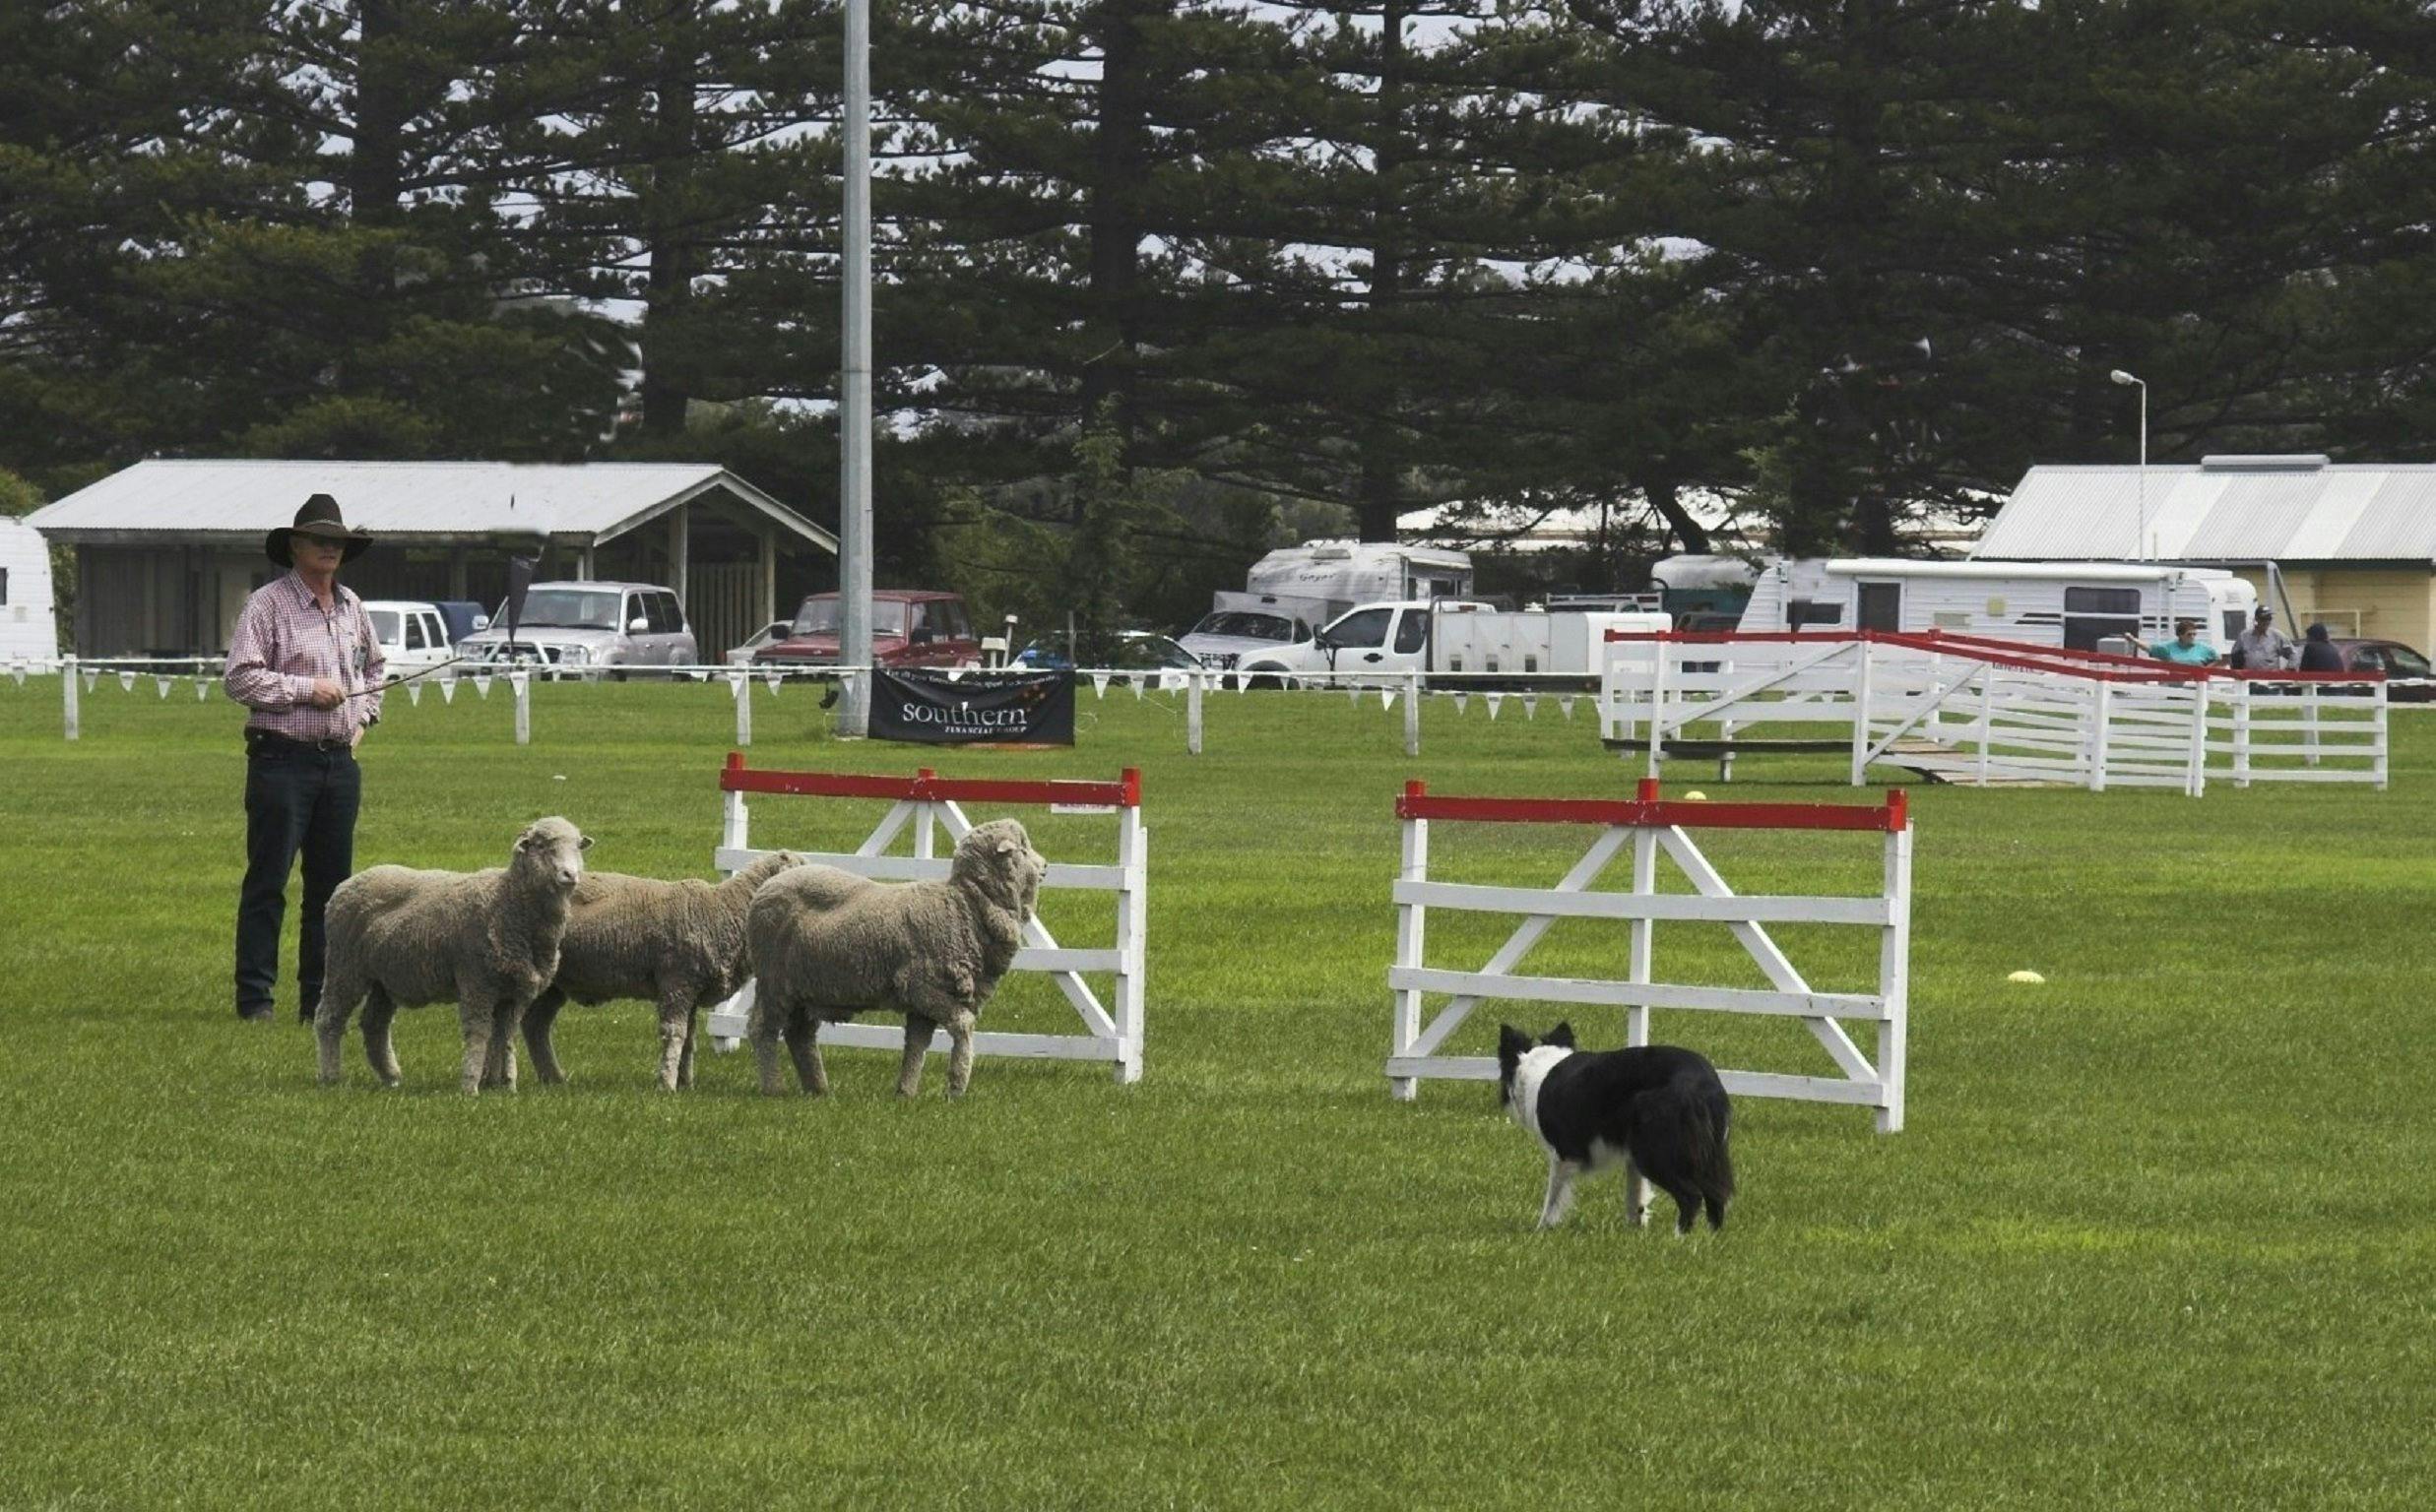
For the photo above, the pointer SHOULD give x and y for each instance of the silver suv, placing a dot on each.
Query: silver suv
(589, 629)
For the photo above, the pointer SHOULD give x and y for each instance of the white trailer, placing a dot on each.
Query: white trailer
(1451, 643)
(1345, 572)
(29, 629)
(2075, 605)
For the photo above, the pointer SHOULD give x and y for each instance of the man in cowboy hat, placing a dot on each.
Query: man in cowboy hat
(305, 661)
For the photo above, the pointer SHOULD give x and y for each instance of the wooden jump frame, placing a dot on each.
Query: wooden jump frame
(927, 800)
(1651, 826)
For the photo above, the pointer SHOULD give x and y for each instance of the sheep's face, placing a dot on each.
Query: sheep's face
(553, 848)
(1000, 855)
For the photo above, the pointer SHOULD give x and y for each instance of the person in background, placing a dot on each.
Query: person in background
(2318, 652)
(305, 661)
(2185, 648)
(2262, 648)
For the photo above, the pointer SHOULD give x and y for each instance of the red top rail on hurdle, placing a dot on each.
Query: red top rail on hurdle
(927, 787)
(1647, 809)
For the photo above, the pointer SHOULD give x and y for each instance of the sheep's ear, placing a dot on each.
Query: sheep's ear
(1006, 846)
(584, 843)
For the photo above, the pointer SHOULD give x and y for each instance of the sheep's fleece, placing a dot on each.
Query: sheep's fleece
(488, 940)
(827, 945)
(678, 944)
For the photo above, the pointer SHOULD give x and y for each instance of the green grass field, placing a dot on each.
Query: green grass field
(2160, 1232)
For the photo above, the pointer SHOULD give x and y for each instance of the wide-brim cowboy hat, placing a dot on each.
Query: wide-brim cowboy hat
(320, 518)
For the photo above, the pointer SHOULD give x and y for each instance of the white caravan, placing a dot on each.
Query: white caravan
(2073, 605)
(1456, 643)
(27, 627)
(1295, 589)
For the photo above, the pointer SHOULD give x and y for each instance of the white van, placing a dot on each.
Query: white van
(411, 632)
(2073, 605)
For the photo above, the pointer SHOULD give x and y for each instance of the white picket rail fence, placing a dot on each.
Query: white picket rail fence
(1969, 710)
(1654, 827)
(926, 803)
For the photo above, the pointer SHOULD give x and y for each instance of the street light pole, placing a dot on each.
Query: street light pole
(2140, 529)
(854, 582)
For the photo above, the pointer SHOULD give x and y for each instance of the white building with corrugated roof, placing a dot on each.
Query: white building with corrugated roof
(168, 550)
(27, 627)
(2355, 542)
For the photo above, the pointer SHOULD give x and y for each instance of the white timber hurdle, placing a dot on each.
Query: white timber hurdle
(1651, 827)
(926, 803)
(1966, 709)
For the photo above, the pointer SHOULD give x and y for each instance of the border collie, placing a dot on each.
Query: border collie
(1657, 1110)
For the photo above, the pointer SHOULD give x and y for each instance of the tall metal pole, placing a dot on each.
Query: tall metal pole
(2140, 527)
(855, 386)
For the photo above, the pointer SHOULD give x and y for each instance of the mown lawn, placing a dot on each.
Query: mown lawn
(2160, 1232)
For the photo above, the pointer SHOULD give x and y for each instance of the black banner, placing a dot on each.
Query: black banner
(1021, 708)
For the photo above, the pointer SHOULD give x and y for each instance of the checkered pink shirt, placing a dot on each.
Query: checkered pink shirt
(284, 641)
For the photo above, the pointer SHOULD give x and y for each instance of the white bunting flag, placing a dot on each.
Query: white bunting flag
(482, 684)
(955, 675)
(1566, 704)
(126, 681)
(773, 679)
(414, 694)
(163, 684)
(1173, 682)
(16, 669)
(1531, 706)
(1099, 685)
(736, 683)
(90, 676)
(203, 689)
(1135, 683)
(846, 684)
(1463, 701)
(1493, 700)
(1240, 680)
(448, 690)
(1353, 695)
(1386, 698)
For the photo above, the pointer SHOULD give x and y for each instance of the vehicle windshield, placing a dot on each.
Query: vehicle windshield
(1153, 651)
(566, 608)
(2403, 661)
(1245, 623)
(823, 616)
(385, 627)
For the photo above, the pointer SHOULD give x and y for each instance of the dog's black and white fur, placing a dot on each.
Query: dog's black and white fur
(1657, 1110)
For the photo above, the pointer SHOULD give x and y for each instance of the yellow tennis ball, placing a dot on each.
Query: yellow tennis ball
(1696, 796)
(2026, 976)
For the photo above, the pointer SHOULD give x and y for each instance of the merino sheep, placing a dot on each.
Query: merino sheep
(680, 944)
(827, 945)
(400, 938)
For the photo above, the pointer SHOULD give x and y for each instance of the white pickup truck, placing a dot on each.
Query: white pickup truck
(1457, 643)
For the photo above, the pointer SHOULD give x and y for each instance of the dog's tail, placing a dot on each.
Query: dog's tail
(1706, 1120)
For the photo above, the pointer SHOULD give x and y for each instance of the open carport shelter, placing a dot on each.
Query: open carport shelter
(166, 551)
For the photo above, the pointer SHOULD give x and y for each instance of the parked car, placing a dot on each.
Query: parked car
(591, 629)
(2392, 658)
(910, 627)
(1137, 650)
(413, 633)
(1242, 626)
(768, 634)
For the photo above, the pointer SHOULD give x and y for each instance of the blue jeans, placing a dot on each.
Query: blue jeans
(298, 801)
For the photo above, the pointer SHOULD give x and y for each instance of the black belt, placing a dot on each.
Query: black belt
(273, 740)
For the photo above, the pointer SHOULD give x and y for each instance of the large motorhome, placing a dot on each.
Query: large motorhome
(1295, 588)
(2044, 604)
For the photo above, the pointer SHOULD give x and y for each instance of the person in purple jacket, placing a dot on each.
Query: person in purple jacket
(305, 663)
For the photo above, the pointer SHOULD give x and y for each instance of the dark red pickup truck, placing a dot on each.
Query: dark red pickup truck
(910, 627)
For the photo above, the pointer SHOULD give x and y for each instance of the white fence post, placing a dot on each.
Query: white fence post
(2194, 775)
(1412, 713)
(520, 683)
(1411, 921)
(2376, 760)
(2101, 715)
(1193, 712)
(1133, 911)
(2309, 714)
(2241, 732)
(1860, 707)
(741, 684)
(70, 713)
(1895, 975)
(1637, 1017)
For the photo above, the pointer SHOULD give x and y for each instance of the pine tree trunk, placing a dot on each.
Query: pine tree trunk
(668, 271)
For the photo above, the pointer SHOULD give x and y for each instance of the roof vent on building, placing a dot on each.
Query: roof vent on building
(2293, 462)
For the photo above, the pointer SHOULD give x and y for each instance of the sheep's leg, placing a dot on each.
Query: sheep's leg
(378, 1010)
(803, 1043)
(539, 1020)
(918, 1031)
(763, 1028)
(501, 1067)
(676, 1037)
(960, 1054)
(475, 1016)
(341, 991)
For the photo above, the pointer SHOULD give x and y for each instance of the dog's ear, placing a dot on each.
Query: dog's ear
(1562, 1037)
(1511, 1043)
